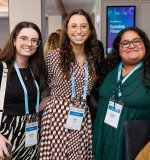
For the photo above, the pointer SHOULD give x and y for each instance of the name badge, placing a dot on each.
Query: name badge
(75, 118)
(113, 114)
(31, 132)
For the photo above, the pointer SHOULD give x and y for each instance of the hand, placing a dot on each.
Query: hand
(3, 148)
(8, 158)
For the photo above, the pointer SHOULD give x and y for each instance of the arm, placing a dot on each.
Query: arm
(46, 93)
(45, 97)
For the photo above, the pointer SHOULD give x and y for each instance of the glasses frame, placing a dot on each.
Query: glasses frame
(140, 42)
(31, 40)
(75, 29)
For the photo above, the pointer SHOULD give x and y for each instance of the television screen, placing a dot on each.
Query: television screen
(118, 18)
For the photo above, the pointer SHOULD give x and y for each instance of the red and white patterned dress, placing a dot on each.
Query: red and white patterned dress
(57, 142)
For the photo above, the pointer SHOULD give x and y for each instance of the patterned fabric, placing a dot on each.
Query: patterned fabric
(13, 128)
(57, 142)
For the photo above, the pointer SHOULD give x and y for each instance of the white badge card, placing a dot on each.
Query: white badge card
(75, 118)
(113, 114)
(31, 132)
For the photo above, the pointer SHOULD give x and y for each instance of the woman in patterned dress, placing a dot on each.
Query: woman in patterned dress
(23, 55)
(71, 76)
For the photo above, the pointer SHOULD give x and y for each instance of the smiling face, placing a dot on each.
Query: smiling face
(25, 42)
(134, 53)
(78, 30)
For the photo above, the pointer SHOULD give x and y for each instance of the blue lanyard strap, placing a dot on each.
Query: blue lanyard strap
(85, 82)
(25, 90)
(119, 82)
(73, 84)
(38, 93)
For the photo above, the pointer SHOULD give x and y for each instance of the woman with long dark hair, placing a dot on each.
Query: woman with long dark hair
(66, 123)
(124, 93)
(27, 76)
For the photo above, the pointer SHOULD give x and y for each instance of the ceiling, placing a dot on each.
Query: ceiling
(55, 7)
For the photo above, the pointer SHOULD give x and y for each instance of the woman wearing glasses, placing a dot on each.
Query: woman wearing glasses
(124, 93)
(23, 55)
(66, 122)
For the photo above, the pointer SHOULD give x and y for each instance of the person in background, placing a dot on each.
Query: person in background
(66, 123)
(52, 42)
(101, 48)
(124, 93)
(27, 76)
(59, 31)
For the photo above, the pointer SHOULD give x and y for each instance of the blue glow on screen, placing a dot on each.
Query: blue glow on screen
(118, 18)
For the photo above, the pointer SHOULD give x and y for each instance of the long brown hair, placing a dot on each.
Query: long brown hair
(52, 42)
(91, 46)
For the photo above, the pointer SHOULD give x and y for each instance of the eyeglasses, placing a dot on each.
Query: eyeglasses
(83, 27)
(127, 43)
(35, 42)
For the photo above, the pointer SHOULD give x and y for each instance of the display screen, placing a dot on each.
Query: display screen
(118, 18)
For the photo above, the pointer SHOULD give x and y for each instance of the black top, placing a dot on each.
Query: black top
(14, 97)
(101, 48)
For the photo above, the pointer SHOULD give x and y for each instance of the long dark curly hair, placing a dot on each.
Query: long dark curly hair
(36, 61)
(114, 58)
(92, 50)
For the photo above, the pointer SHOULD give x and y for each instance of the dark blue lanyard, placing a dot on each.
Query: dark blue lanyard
(119, 82)
(25, 90)
(85, 82)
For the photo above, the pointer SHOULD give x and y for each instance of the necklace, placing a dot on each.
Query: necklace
(24, 75)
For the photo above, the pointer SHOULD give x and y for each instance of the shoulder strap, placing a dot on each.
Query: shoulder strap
(3, 89)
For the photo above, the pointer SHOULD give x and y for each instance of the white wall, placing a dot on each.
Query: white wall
(24, 10)
(4, 31)
(96, 11)
(144, 21)
(54, 23)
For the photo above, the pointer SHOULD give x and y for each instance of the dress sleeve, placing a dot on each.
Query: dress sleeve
(48, 62)
(51, 61)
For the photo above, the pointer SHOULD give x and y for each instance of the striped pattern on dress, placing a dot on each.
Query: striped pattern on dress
(13, 128)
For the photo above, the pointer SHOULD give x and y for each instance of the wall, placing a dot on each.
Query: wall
(96, 16)
(24, 10)
(54, 23)
(4, 31)
(144, 21)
